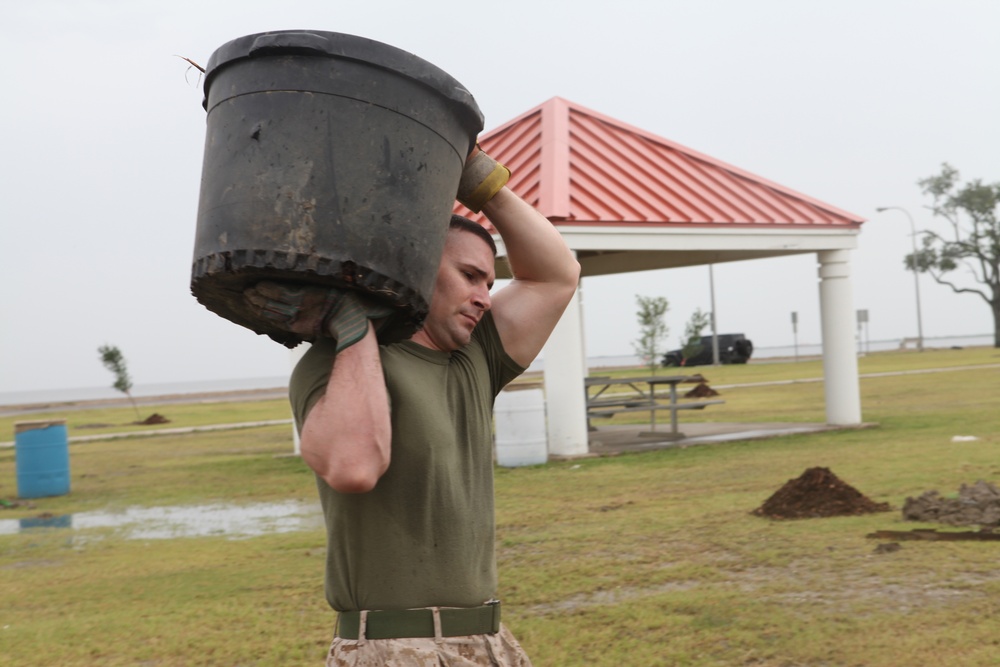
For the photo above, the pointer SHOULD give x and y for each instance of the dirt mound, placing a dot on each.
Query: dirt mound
(817, 493)
(978, 504)
(155, 418)
(701, 391)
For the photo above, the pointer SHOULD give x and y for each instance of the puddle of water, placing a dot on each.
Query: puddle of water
(163, 523)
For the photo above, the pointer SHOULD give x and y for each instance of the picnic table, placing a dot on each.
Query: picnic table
(601, 404)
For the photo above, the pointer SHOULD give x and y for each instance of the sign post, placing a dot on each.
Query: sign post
(795, 333)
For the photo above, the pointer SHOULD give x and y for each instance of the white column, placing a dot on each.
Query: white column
(565, 403)
(840, 361)
(581, 305)
(296, 354)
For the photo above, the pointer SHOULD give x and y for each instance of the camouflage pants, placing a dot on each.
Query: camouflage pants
(499, 650)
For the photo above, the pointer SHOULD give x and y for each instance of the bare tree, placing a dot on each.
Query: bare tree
(652, 329)
(114, 361)
(973, 242)
(691, 343)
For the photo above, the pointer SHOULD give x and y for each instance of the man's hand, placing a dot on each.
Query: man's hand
(312, 311)
(296, 308)
(482, 178)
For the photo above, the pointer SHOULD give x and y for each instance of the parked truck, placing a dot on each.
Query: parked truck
(733, 349)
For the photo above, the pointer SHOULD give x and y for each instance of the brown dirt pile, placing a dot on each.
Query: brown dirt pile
(701, 391)
(978, 504)
(817, 493)
(155, 418)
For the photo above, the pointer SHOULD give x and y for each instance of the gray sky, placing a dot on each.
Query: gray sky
(849, 102)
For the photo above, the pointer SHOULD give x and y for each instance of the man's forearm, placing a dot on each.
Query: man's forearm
(347, 434)
(535, 249)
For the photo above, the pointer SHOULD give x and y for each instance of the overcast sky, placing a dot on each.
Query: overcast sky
(849, 102)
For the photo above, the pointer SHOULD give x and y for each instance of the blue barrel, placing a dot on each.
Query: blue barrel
(41, 452)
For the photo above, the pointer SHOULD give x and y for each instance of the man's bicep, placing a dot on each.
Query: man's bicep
(525, 314)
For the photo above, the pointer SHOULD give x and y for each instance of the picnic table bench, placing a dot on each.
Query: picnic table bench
(600, 404)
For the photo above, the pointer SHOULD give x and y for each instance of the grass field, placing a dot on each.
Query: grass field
(640, 559)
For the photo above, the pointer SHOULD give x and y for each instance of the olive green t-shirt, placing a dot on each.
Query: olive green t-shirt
(424, 536)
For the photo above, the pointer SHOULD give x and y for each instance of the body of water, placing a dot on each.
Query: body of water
(141, 390)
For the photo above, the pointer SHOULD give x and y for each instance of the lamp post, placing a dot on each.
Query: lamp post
(715, 332)
(916, 281)
(795, 333)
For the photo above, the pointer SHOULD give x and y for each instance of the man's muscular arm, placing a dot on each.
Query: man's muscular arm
(545, 271)
(347, 433)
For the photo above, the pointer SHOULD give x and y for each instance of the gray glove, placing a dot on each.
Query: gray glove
(312, 311)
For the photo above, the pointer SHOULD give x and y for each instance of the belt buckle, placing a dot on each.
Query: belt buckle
(494, 605)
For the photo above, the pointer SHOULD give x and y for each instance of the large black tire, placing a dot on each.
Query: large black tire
(743, 351)
(330, 160)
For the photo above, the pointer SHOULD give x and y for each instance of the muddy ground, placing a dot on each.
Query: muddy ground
(817, 493)
(975, 505)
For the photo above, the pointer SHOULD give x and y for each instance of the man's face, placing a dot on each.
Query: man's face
(461, 292)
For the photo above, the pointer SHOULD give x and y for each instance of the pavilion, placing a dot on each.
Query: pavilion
(627, 200)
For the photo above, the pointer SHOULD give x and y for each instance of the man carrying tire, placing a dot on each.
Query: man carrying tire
(400, 435)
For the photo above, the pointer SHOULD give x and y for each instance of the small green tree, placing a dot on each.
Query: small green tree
(114, 361)
(973, 213)
(652, 329)
(691, 343)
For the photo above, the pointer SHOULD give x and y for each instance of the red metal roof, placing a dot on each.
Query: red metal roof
(577, 166)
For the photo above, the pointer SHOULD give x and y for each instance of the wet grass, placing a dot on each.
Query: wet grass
(121, 418)
(206, 601)
(644, 559)
(252, 464)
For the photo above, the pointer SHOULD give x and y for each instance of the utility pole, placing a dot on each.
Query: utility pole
(916, 279)
(863, 324)
(715, 332)
(795, 333)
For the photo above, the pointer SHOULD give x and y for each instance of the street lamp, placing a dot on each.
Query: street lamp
(916, 281)
(715, 331)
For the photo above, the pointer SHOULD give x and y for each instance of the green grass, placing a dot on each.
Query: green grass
(121, 419)
(639, 559)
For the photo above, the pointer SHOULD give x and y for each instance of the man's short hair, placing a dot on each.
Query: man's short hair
(464, 224)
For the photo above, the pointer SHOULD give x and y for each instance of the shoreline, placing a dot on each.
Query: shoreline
(275, 391)
(220, 396)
